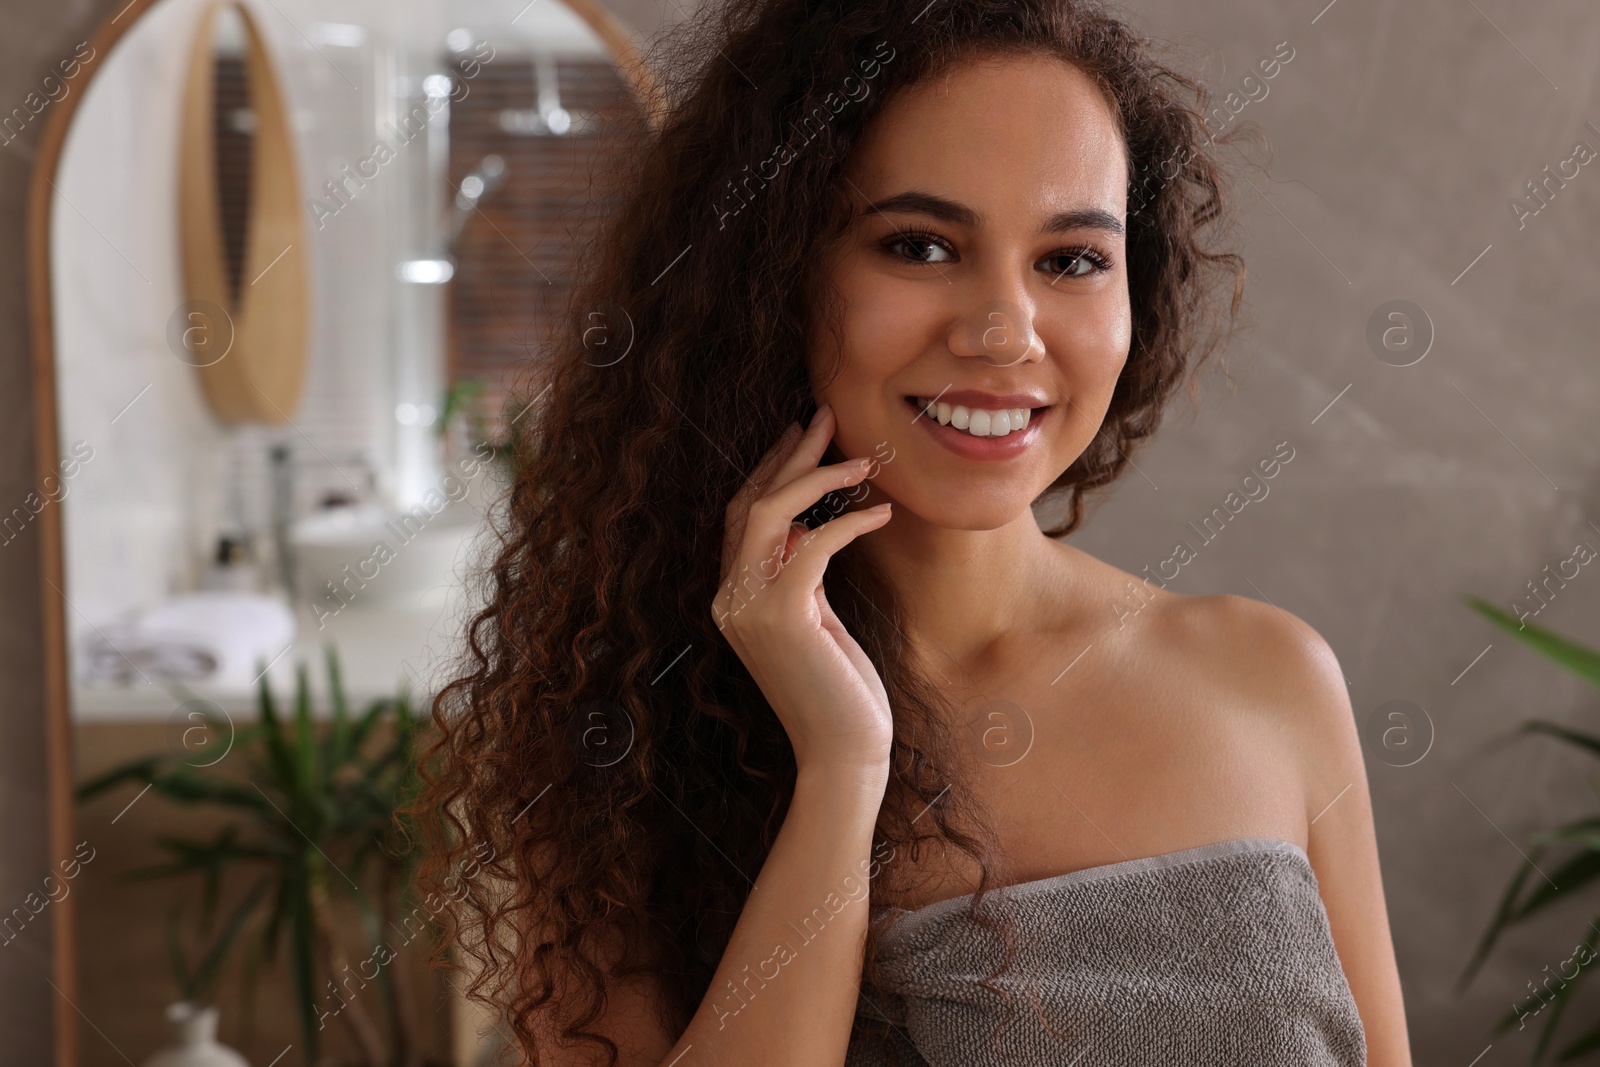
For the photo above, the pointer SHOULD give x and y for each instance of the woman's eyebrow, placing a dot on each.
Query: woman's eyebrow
(928, 204)
(1089, 218)
(1082, 218)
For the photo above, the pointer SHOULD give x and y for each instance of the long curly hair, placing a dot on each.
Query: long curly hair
(602, 744)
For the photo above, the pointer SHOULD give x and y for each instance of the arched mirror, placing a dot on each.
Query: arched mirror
(292, 253)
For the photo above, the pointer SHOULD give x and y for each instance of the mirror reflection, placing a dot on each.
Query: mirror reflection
(286, 359)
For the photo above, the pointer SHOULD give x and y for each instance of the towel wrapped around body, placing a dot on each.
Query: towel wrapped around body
(1216, 956)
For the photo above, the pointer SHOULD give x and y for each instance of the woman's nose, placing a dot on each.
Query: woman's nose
(998, 329)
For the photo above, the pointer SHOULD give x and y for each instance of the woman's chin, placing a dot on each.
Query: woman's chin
(974, 514)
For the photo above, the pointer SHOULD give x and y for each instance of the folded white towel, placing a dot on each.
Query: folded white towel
(221, 637)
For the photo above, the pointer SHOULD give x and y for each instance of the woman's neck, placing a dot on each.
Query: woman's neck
(965, 590)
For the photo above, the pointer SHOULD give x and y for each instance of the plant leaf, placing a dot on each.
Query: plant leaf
(180, 965)
(276, 919)
(279, 757)
(1580, 660)
(1570, 877)
(142, 770)
(211, 965)
(187, 786)
(1564, 995)
(339, 746)
(1588, 742)
(369, 718)
(303, 942)
(1503, 918)
(1580, 1046)
(305, 741)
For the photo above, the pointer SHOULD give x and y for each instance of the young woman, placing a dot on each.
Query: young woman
(792, 732)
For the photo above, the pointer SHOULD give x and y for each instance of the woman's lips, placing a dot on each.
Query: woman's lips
(967, 446)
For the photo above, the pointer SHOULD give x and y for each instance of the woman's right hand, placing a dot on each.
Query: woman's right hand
(771, 607)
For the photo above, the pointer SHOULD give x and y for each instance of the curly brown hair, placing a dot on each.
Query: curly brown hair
(602, 741)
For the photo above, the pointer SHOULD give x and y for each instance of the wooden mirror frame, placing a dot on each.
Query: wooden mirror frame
(249, 334)
(60, 800)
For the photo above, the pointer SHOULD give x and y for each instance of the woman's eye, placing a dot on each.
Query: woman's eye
(920, 248)
(1075, 263)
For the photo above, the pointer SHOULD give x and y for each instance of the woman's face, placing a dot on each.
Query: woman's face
(984, 270)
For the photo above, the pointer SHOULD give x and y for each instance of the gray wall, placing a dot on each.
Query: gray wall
(1401, 132)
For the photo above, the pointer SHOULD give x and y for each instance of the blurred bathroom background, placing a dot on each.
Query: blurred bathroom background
(442, 155)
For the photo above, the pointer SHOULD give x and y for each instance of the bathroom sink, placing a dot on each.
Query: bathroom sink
(368, 556)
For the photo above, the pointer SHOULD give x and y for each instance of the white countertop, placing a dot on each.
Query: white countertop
(379, 648)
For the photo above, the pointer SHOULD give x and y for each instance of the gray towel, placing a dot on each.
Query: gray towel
(1213, 956)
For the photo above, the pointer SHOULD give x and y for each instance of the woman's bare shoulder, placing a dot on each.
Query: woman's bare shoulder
(1264, 651)
(1252, 649)
(1270, 667)
(1195, 719)
(1251, 640)
(1258, 660)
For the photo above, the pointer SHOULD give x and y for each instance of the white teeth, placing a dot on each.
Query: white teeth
(979, 422)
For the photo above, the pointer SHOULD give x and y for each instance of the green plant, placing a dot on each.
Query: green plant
(461, 399)
(317, 823)
(198, 981)
(1523, 901)
(463, 403)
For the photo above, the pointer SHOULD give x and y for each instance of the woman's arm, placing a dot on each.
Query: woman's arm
(1342, 845)
(787, 985)
(786, 989)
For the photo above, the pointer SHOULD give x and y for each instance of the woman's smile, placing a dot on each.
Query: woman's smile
(981, 426)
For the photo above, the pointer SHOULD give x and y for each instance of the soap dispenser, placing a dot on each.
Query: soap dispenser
(232, 566)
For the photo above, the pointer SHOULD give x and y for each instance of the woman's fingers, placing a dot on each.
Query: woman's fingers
(769, 520)
(784, 484)
(811, 551)
(796, 564)
(774, 512)
(808, 453)
(794, 452)
(758, 482)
